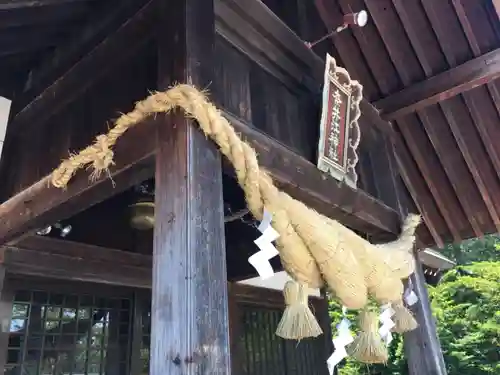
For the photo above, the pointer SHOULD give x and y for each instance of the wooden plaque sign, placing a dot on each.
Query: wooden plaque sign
(339, 132)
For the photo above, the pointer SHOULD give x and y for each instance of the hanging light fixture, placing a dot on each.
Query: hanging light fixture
(44, 231)
(64, 229)
(359, 19)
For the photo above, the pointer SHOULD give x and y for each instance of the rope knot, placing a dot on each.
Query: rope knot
(103, 155)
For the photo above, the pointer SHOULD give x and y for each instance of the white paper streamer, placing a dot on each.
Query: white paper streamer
(344, 338)
(409, 295)
(387, 323)
(260, 260)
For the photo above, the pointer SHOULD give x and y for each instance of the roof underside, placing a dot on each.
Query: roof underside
(448, 149)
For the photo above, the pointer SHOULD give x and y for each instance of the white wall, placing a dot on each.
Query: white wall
(4, 119)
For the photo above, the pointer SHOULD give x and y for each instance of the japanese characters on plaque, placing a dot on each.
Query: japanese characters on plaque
(339, 132)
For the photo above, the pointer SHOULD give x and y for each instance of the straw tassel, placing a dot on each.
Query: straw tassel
(368, 346)
(298, 321)
(403, 318)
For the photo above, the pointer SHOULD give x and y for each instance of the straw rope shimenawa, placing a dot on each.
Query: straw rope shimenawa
(314, 249)
(297, 316)
(368, 346)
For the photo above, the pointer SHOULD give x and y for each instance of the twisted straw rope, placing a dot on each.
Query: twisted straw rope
(256, 183)
(311, 245)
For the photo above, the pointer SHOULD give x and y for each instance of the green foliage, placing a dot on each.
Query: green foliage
(396, 365)
(466, 304)
(467, 311)
(474, 250)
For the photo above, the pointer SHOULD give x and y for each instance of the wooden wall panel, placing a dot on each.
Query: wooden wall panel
(45, 144)
(231, 86)
(279, 112)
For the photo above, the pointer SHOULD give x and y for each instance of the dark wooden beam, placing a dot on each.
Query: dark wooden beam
(246, 24)
(254, 29)
(465, 77)
(110, 17)
(112, 50)
(60, 259)
(459, 115)
(41, 16)
(411, 126)
(189, 295)
(7, 5)
(301, 179)
(484, 103)
(83, 251)
(42, 204)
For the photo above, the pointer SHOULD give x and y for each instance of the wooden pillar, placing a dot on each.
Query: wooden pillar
(422, 346)
(190, 332)
(325, 322)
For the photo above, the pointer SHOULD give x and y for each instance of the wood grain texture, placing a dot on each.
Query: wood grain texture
(190, 333)
(41, 204)
(458, 80)
(66, 260)
(422, 346)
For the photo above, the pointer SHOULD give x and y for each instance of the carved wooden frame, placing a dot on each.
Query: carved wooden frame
(339, 78)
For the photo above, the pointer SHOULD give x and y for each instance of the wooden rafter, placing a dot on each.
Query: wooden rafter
(346, 46)
(420, 194)
(455, 167)
(409, 69)
(428, 51)
(459, 117)
(84, 39)
(112, 50)
(23, 4)
(484, 111)
(465, 77)
(32, 16)
(438, 184)
(240, 17)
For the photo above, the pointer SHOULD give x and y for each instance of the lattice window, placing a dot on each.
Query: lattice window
(145, 342)
(57, 334)
(267, 354)
(261, 352)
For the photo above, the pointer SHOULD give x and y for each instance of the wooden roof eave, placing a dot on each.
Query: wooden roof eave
(41, 204)
(433, 69)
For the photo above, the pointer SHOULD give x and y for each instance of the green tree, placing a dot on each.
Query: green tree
(486, 249)
(396, 364)
(467, 310)
(466, 304)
